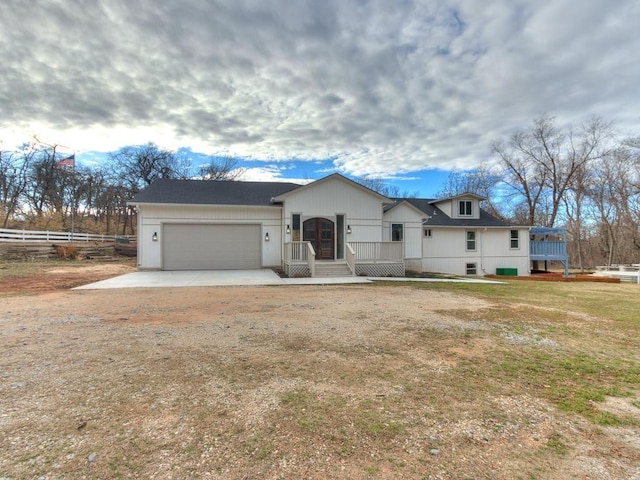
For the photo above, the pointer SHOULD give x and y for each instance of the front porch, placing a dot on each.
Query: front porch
(371, 259)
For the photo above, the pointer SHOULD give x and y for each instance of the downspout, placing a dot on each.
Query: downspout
(482, 251)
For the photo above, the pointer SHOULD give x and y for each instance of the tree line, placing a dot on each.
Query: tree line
(42, 187)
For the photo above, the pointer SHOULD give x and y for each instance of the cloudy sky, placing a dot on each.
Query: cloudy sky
(396, 89)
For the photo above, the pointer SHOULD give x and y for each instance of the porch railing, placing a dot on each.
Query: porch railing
(350, 257)
(300, 253)
(377, 251)
(311, 259)
(296, 252)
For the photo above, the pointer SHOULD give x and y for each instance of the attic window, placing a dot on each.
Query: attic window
(427, 232)
(465, 208)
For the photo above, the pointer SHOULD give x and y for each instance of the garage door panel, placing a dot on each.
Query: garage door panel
(211, 247)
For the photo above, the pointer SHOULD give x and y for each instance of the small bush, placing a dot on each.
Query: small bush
(67, 252)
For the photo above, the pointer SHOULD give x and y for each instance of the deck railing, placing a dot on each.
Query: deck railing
(12, 235)
(547, 249)
(377, 251)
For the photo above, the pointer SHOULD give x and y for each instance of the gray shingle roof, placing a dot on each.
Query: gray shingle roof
(437, 218)
(208, 192)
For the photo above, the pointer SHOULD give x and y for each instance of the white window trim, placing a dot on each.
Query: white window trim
(466, 241)
(465, 214)
(391, 232)
(516, 238)
(474, 267)
(428, 233)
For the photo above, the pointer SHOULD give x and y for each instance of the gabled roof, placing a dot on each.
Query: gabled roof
(437, 218)
(461, 195)
(209, 192)
(337, 176)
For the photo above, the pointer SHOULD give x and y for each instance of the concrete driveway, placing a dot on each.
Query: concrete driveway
(217, 278)
(210, 278)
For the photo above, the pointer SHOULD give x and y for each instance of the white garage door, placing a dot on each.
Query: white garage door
(211, 247)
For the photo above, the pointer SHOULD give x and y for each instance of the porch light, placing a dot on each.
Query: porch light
(288, 230)
(154, 237)
(266, 237)
(348, 229)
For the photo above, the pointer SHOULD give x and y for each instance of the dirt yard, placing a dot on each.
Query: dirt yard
(286, 382)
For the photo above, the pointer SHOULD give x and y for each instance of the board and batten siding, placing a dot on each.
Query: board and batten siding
(446, 251)
(362, 210)
(152, 217)
(412, 221)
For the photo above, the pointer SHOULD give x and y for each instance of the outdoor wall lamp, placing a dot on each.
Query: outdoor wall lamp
(266, 237)
(288, 230)
(154, 237)
(348, 229)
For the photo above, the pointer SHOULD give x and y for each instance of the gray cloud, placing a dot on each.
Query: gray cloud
(383, 87)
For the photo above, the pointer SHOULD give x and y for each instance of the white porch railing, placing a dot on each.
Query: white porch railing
(300, 253)
(296, 252)
(311, 259)
(359, 257)
(12, 235)
(377, 251)
(350, 257)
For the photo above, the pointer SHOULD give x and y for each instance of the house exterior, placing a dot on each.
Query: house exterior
(332, 226)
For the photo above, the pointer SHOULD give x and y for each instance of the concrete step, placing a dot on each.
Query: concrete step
(326, 270)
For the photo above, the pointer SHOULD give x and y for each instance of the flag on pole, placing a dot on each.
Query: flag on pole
(69, 161)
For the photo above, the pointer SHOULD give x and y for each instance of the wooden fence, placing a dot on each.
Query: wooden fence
(12, 235)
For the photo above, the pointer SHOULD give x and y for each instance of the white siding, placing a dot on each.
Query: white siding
(445, 251)
(412, 221)
(335, 196)
(152, 217)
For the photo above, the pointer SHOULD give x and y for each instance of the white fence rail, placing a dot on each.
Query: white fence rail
(11, 235)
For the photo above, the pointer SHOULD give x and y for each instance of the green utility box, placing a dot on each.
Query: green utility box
(508, 272)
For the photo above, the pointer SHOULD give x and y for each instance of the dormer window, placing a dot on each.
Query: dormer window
(465, 208)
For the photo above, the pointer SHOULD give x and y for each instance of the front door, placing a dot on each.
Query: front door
(319, 231)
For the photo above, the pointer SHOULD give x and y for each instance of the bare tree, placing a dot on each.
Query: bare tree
(220, 168)
(138, 166)
(540, 163)
(14, 169)
(379, 185)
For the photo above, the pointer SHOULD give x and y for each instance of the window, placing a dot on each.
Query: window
(295, 227)
(397, 232)
(464, 208)
(340, 236)
(514, 240)
(427, 232)
(471, 240)
(472, 268)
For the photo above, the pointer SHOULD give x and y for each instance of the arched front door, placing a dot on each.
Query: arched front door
(319, 231)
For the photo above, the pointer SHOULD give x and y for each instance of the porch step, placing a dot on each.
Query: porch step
(325, 270)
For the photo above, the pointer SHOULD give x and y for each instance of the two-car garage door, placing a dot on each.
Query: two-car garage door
(211, 247)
